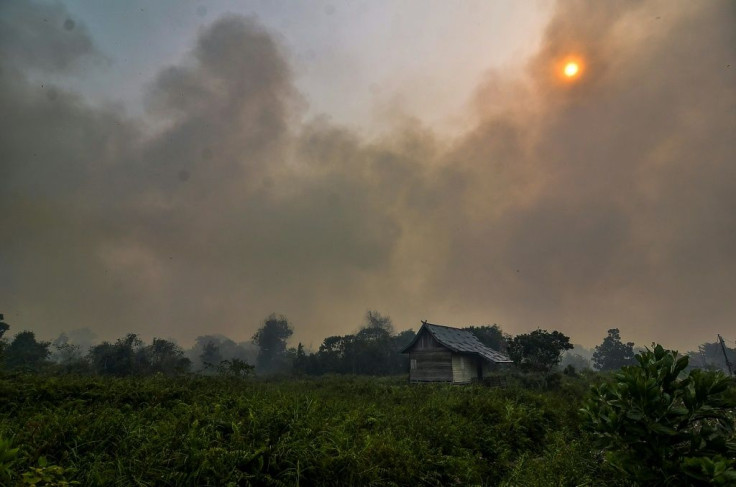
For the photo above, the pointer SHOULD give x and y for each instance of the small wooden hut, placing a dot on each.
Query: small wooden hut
(444, 354)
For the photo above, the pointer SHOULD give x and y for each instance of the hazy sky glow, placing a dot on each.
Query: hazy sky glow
(359, 63)
(181, 168)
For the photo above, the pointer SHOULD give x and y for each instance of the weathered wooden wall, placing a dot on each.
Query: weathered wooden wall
(430, 366)
(464, 368)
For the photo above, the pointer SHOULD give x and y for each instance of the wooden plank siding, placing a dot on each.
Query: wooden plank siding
(430, 366)
(464, 368)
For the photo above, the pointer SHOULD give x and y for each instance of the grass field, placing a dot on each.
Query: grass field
(327, 431)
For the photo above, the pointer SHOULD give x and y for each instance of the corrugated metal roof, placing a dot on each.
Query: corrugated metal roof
(461, 341)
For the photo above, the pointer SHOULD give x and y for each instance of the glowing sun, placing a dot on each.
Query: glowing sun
(571, 69)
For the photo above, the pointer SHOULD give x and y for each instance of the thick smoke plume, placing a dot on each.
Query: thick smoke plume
(608, 202)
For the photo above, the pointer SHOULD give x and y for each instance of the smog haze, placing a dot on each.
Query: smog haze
(181, 168)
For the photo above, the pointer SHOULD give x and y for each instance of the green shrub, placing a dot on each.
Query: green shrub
(8, 457)
(46, 475)
(161, 430)
(565, 461)
(659, 426)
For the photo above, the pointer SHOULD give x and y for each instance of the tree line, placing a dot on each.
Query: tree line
(375, 349)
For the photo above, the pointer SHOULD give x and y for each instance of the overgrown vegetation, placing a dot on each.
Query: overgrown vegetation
(661, 427)
(650, 423)
(130, 413)
(326, 431)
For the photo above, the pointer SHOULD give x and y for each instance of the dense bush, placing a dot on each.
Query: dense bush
(647, 425)
(660, 426)
(329, 431)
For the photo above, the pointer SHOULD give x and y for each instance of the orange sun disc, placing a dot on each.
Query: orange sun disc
(571, 69)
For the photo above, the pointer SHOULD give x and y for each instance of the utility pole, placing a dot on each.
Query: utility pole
(725, 355)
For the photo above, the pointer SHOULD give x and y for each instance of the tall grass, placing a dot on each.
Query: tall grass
(326, 431)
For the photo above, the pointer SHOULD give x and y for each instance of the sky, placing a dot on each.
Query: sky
(177, 169)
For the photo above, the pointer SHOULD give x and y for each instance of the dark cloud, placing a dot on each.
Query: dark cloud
(582, 206)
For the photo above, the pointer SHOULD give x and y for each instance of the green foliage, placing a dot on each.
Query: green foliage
(660, 426)
(3, 327)
(539, 350)
(565, 461)
(235, 368)
(210, 350)
(490, 336)
(160, 430)
(26, 353)
(118, 359)
(374, 319)
(129, 356)
(210, 355)
(301, 362)
(3, 346)
(165, 357)
(8, 457)
(613, 354)
(271, 340)
(47, 475)
(371, 351)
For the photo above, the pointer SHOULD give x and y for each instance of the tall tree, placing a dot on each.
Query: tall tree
(613, 354)
(67, 355)
(301, 361)
(403, 339)
(371, 351)
(3, 326)
(166, 357)
(3, 342)
(334, 355)
(539, 350)
(210, 356)
(25, 353)
(489, 335)
(271, 340)
(124, 357)
(213, 349)
(374, 319)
